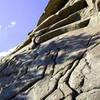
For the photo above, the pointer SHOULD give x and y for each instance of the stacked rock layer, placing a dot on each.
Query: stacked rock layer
(59, 59)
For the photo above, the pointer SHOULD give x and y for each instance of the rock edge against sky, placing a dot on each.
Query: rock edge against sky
(59, 59)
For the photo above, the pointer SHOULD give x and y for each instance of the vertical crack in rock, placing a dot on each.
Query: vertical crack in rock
(55, 87)
(74, 65)
(54, 59)
(63, 94)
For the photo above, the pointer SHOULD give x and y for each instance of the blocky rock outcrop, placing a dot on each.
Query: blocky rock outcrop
(59, 59)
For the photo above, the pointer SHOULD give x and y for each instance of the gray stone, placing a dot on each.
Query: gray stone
(59, 59)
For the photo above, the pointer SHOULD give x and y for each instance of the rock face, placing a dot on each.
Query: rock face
(60, 58)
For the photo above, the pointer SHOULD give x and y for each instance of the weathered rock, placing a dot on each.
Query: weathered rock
(60, 58)
(52, 7)
(91, 95)
(56, 95)
(64, 12)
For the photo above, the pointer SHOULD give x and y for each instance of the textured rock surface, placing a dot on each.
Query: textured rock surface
(60, 58)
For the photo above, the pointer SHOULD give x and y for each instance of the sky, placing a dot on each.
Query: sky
(17, 18)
